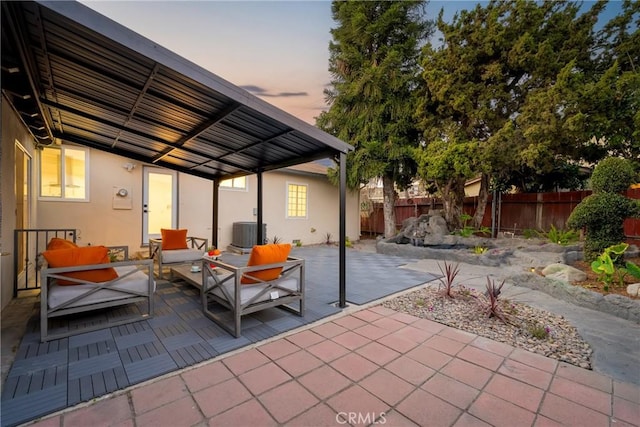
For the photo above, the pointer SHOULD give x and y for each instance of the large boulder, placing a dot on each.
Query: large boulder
(564, 272)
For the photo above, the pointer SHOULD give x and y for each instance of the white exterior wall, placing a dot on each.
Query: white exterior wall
(12, 132)
(323, 209)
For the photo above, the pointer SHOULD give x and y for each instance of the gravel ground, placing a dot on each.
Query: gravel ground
(526, 327)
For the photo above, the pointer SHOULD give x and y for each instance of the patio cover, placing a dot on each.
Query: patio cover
(74, 75)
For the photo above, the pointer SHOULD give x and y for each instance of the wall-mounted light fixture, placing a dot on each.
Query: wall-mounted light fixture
(129, 166)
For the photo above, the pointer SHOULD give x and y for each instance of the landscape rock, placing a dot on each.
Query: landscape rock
(564, 272)
(633, 289)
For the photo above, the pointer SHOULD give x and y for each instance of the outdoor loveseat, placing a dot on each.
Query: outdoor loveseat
(270, 279)
(175, 248)
(77, 280)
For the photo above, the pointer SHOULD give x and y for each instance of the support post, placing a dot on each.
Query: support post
(259, 236)
(343, 248)
(215, 211)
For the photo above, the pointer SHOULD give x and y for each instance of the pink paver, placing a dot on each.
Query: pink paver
(429, 357)
(467, 420)
(354, 366)
(451, 391)
(457, 334)
(445, 345)
(319, 416)
(387, 387)
(627, 391)
(324, 381)
(545, 422)
(206, 376)
(567, 412)
(586, 396)
(480, 357)
(221, 397)
(277, 349)
(397, 342)
(383, 310)
(179, 412)
(305, 338)
(327, 350)
(378, 353)
(535, 360)
(468, 373)
(525, 373)
(427, 410)
(584, 376)
(370, 331)
(413, 334)
(403, 317)
(350, 322)
(250, 413)
(158, 393)
(499, 348)
(299, 363)
(351, 340)
(498, 412)
(263, 378)
(115, 410)
(395, 419)
(408, 369)
(389, 324)
(356, 400)
(287, 401)
(626, 411)
(428, 326)
(329, 329)
(245, 361)
(367, 315)
(514, 391)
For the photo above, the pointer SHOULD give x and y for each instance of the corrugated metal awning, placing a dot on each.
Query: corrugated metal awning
(77, 76)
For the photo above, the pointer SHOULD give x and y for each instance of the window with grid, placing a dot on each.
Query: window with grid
(64, 173)
(239, 183)
(296, 200)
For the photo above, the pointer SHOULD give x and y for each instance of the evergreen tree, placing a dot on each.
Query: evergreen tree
(374, 67)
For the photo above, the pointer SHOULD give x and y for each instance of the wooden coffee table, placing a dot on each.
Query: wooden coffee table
(184, 272)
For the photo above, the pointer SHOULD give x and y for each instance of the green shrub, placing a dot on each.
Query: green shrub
(612, 175)
(602, 214)
(560, 236)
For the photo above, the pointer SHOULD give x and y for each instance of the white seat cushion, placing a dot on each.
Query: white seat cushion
(249, 291)
(137, 281)
(181, 255)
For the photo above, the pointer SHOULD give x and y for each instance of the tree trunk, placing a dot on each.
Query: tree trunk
(483, 197)
(452, 201)
(388, 206)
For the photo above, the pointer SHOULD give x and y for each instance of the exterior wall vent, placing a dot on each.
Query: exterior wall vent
(244, 234)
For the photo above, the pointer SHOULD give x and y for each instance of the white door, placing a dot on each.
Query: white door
(23, 203)
(159, 202)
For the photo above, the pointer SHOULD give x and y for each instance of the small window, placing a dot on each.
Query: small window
(64, 173)
(296, 200)
(234, 183)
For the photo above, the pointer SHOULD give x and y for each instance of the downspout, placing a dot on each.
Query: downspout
(215, 211)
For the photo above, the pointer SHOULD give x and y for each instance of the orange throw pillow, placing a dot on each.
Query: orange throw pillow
(174, 239)
(87, 255)
(266, 254)
(58, 243)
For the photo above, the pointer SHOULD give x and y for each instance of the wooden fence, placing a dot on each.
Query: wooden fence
(514, 212)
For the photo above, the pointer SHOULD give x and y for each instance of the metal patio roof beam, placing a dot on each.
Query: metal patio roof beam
(133, 156)
(138, 100)
(133, 131)
(261, 141)
(200, 129)
(15, 24)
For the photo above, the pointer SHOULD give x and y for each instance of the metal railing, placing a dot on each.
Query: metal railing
(30, 243)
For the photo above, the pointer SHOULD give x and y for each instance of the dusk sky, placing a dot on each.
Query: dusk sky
(278, 50)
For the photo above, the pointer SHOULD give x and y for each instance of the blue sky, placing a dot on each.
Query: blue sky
(276, 49)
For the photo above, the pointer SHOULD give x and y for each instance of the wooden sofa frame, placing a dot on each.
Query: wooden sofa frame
(155, 252)
(48, 276)
(224, 273)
